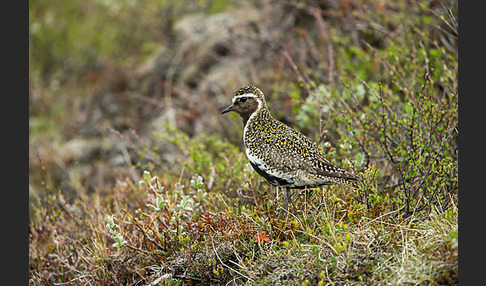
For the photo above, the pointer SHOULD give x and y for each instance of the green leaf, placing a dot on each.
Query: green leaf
(409, 109)
(146, 176)
(358, 160)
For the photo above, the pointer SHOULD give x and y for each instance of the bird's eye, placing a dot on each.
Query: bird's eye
(242, 99)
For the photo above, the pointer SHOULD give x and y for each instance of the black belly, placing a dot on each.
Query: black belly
(274, 180)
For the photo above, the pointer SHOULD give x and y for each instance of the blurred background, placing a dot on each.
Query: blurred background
(107, 78)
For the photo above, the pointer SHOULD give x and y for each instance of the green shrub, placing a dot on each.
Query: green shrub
(394, 108)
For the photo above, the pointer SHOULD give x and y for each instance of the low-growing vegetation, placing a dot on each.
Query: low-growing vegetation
(122, 196)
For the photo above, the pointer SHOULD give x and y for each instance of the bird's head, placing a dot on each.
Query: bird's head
(246, 101)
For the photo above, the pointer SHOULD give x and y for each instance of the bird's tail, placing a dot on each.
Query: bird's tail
(352, 182)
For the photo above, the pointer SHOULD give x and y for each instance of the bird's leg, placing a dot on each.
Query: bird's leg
(321, 201)
(305, 193)
(308, 195)
(285, 207)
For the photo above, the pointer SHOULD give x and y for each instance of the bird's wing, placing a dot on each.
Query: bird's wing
(312, 159)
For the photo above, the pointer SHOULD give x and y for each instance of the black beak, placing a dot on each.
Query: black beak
(228, 109)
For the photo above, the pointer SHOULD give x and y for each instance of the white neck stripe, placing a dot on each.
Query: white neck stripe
(260, 105)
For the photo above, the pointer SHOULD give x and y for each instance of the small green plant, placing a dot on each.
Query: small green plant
(197, 186)
(160, 202)
(114, 231)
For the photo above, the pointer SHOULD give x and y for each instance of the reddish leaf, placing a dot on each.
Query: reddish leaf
(262, 237)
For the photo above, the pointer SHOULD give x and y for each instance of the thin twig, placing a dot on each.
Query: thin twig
(321, 136)
(136, 248)
(137, 224)
(304, 78)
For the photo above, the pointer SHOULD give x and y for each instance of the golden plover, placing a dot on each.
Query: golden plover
(283, 156)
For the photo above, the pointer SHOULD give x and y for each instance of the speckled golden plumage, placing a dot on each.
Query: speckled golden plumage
(282, 155)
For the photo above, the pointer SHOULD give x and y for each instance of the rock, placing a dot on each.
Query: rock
(78, 150)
